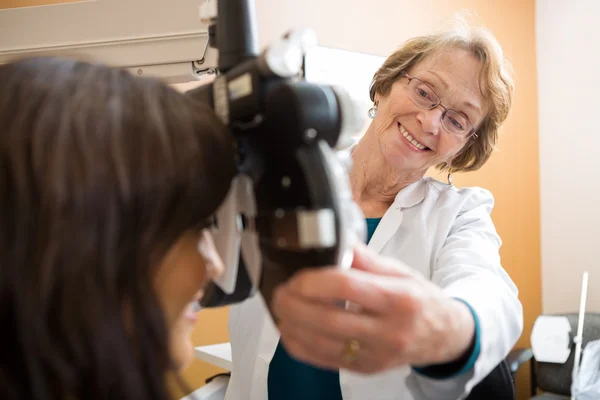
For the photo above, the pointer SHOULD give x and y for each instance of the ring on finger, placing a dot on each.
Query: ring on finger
(351, 351)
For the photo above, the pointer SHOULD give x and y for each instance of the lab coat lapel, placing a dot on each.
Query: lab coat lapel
(408, 197)
(267, 344)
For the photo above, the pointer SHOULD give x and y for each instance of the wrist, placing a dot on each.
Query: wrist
(462, 331)
(464, 346)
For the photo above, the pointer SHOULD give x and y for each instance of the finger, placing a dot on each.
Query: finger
(322, 352)
(326, 319)
(329, 285)
(367, 260)
(311, 347)
(374, 294)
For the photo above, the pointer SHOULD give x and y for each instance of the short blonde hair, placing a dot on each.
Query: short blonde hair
(495, 79)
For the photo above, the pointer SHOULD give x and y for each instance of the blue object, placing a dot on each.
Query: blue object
(290, 379)
(371, 226)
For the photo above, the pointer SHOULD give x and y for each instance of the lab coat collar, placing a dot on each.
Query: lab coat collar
(408, 197)
(411, 195)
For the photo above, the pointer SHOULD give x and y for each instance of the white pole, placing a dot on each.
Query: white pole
(579, 337)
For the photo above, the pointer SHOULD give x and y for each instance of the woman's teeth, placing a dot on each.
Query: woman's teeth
(411, 139)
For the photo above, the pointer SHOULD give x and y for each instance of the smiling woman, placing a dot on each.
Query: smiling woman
(433, 309)
(414, 131)
(462, 75)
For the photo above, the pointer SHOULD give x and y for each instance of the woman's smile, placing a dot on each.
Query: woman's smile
(412, 142)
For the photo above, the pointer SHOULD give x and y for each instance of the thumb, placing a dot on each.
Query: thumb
(367, 260)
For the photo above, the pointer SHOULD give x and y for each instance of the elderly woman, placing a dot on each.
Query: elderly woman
(432, 310)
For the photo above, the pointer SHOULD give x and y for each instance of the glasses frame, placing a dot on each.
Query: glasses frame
(471, 134)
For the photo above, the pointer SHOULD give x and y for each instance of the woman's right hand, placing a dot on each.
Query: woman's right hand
(401, 319)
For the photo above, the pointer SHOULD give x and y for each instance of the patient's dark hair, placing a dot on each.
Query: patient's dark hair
(100, 173)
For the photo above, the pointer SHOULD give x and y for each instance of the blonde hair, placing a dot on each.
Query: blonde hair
(496, 81)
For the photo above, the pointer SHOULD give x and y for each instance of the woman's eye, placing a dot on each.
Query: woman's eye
(456, 123)
(423, 93)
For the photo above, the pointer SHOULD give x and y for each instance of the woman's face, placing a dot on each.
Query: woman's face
(453, 76)
(184, 272)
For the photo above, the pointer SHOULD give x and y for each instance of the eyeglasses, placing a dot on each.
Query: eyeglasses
(424, 97)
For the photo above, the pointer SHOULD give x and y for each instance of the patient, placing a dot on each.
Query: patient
(107, 182)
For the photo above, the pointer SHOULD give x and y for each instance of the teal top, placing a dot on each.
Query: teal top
(290, 379)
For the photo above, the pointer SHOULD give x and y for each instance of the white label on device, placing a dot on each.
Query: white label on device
(316, 228)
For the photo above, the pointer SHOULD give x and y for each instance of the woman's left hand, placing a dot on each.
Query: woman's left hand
(397, 317)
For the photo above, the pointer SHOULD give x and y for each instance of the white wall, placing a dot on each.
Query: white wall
(568, 35)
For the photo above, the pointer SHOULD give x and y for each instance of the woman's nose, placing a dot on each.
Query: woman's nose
(431, 120)
(212, 260)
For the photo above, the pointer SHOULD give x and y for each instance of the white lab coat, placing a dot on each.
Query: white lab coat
(445, 233)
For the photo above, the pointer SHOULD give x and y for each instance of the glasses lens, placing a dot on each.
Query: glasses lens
(422, 95)
(456, 123)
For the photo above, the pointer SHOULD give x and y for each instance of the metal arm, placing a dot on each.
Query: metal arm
(290, 206)
(292, 192)
(147, 37)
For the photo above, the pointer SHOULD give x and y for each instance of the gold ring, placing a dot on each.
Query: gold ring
(351, 349)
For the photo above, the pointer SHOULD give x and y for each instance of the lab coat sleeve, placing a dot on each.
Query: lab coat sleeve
(468, 267)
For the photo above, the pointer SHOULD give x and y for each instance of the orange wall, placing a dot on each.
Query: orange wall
(378, 27)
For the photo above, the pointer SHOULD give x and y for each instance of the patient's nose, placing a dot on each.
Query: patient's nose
(212, 260)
